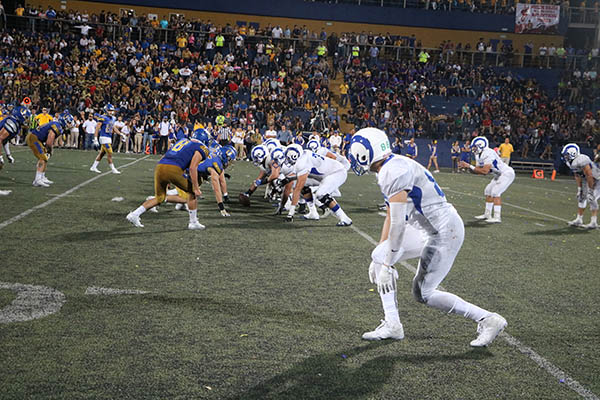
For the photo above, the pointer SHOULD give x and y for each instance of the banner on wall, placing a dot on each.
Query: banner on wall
(537, 18)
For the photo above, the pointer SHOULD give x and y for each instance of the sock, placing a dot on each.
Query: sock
(38, 175)
(112, 166)
(497, 210)
(95, 164)
(312, 208)
(488, 208)
(594, 219)
(43, 175)
(390, 307)
(139, 211)
(579, 218)
(452, 304)
(339, 213)
(193, 215)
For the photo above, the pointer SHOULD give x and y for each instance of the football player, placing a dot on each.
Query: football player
(103, 138)
(413, 198)
(488, 161)
(327, 173)
(184, 155)
(587, 176)
(41, 141)
(10, 126)
(269, 171)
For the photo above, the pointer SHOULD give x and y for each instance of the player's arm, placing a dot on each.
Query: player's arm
(196, 159)
(331, 155)
(301, 181)
(52, 135)
(275, 172)
(215, 182)
(587, 172)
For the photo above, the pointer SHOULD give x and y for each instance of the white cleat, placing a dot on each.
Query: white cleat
(47, 181)
(116, 172)
(591, 225)
(196, 225)
(134, 219)
(327, 213)
(346, 222)
(154, 210)
(483, 216)
(96, 170)
(488, 328)
(576, 222)
(311, 215)
(181, 206)
(385, 330)
(494, 220)
(436, 171)
(40, 183)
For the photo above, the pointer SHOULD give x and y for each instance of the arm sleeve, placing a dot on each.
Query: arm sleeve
(396, 234)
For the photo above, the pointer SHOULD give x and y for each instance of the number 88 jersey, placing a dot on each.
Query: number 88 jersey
(400, 173)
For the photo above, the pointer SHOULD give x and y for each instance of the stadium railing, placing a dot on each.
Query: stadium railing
(529, 166)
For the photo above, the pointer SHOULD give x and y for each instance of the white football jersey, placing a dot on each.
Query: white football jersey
(580, 162)
(265, 166)
(490, 157)
(400, 173)
(316, 165)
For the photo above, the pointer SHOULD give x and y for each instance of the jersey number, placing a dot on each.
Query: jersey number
(317, 156)
(179, 145)
(435, 185)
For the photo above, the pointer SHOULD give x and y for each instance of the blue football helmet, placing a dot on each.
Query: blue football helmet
(228, 154)
(109, 108)
(66, 119)
(201, 135)
(21, 113)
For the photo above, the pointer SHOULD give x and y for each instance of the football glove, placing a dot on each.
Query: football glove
(580, 196)
(11, 159)
(48, 155)
(96, 144)
(373, 270)
(386, 279)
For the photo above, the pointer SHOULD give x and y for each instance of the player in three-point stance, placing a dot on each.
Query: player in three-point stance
(587, 176)
(185, 155)
(103, 138)
(415, 200)
(328, 175)
(10, 126)
(488, 161)
(41, 141)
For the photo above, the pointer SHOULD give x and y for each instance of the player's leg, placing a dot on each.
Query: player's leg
(184, 184)
(437, 167)
(594, 208)
(109, 158)
(435, 263)
(328, 185)
(161, 182)
(502, 183)
(94, 167)
(489, 201)
(39, 152)
(307, 194)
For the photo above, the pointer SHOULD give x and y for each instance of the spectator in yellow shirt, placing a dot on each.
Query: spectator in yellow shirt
(506, 149)
(344, 94)
(43, 117)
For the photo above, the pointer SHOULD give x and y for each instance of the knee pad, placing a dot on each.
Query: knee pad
(326, 200)
(306, 191)
(582, 204)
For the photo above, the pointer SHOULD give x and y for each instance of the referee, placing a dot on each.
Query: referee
(224, 135)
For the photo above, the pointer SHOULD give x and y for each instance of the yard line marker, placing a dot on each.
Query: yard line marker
(512, 205)
(528, 351)
(60, 196)
(100, 291)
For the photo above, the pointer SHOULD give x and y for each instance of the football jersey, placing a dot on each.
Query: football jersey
(108, 122)
(182, 152)
(43, 131)
(213, 162)
(490, 157)
(580, 162)
(400, 173)
(316, 165)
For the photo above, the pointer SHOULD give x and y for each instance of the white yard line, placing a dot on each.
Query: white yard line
(512, 341)
(101, 291)
(510, 205)
(60, 196)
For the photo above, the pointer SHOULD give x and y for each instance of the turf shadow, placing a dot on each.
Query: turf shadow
(568, 230)
(335, 375)
(89, 236)
(477, 224)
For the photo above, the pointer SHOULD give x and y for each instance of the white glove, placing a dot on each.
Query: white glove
(290, 215)
(386, 281)
(96, 143)
(48, 155)
(374, 271)
(11, 159)
(225, 213)
(580, 197)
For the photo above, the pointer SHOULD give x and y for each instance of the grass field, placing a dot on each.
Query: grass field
(254, 308)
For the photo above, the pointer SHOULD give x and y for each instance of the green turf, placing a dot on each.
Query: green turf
(256, 308)
(6, 297)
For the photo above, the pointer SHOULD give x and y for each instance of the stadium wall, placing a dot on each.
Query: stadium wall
(458, 26)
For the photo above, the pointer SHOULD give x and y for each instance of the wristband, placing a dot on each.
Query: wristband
(472, 167)
(258, 182)
(221, 206)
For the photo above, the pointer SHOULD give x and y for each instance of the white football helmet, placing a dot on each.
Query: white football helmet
(271, 144)
(570, 152)
(313, 145)
(368, 146)
(479, 144)
(258, 154)
(293, 153)
(278, 156)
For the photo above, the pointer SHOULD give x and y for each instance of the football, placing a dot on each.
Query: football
(244, 199)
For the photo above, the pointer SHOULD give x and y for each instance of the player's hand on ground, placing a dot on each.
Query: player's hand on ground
(224, 213)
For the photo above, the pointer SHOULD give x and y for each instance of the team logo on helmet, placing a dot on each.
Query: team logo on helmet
(479, 144)
(293, 153)
(570, 152)
(258, 154)
(313, 145)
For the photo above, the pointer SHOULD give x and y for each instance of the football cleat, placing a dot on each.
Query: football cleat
(436, 171)
(488, 328)
(181, 206)
(116, 171)
(494, 220)
(326, 213)
(40, 183)
(385, 330)
(576, 222)
(591, 225)
(96, 170)
(483, 216)
(224, 213)
(344, 223)
(195, 225)
(134, 219)
(47, 181)
(311, 215)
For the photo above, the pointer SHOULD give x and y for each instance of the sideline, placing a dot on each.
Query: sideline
(512, 341)
(25, 213)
